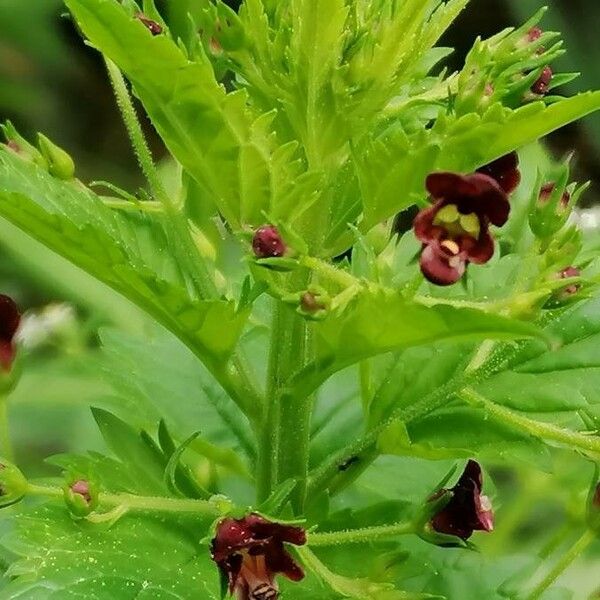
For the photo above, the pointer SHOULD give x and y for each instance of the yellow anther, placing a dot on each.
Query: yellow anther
(451, 246)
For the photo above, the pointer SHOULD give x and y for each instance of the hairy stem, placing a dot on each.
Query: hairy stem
(545, 431)
(360, 536)
(236, 382)
(285, 436)
(132, 502)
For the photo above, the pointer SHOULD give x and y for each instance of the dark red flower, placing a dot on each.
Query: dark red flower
(596, 498)
(505, 170)
(152, 26)
(250, 552)
(541, 85)
(9, 323)
(267, 242)
(455, 229)
(468, 510)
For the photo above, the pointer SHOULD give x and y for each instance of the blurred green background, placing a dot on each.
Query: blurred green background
(51, 82)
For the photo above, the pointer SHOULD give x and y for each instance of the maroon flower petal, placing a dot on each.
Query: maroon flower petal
(425, 230)
(440, 266)
(9, 318)
(504, 171)
(9, 323)
(280, 561)
(250, 552)
(468, 510)
(475, 193)
(478, 251)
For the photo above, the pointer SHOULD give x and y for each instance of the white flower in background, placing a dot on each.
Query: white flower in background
(39, 327)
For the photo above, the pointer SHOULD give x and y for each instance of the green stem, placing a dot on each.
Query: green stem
(544, 431)
(131, 502)
(328, 271)
(566, 560)
(136, 135)
(331, 475)
(285, 436)
(236, 383)
(360, 536)
(6, 449)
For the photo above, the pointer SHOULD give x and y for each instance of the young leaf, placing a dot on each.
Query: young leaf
(227, 149)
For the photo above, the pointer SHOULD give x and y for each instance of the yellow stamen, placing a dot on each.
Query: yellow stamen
(451, 246)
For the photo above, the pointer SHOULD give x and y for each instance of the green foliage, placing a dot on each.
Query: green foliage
(140, 557)
(332, 391)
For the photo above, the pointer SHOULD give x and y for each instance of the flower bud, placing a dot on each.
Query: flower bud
(152, 26)
(81, 496)
(21, 147)
(541, 85)
(314, 303)
(267, 242)
(552, 207)
(60, 164)
(13, 485)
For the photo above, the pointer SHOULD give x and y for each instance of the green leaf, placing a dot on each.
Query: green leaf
(461, 432)
(392, 167)
(121, 252)
(228, 150)
(172, 385)
(138, 557)
(363, 589)
(380, 321)
(129, 446)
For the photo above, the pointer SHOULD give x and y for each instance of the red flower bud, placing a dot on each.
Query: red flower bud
(572, 289)
(267, 242)
(152, 26)
(542, 84)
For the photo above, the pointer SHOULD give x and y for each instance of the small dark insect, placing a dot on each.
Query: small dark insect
(264, 592)
(348, 463)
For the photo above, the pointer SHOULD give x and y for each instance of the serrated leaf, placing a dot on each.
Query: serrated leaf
(461, 432)
(129, 446)
(213, 134)
(392, 168)
(379, 321)
(120, 252)
(139, 557)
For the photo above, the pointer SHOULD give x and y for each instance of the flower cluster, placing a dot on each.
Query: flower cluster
(454, 230)
(250, 552)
